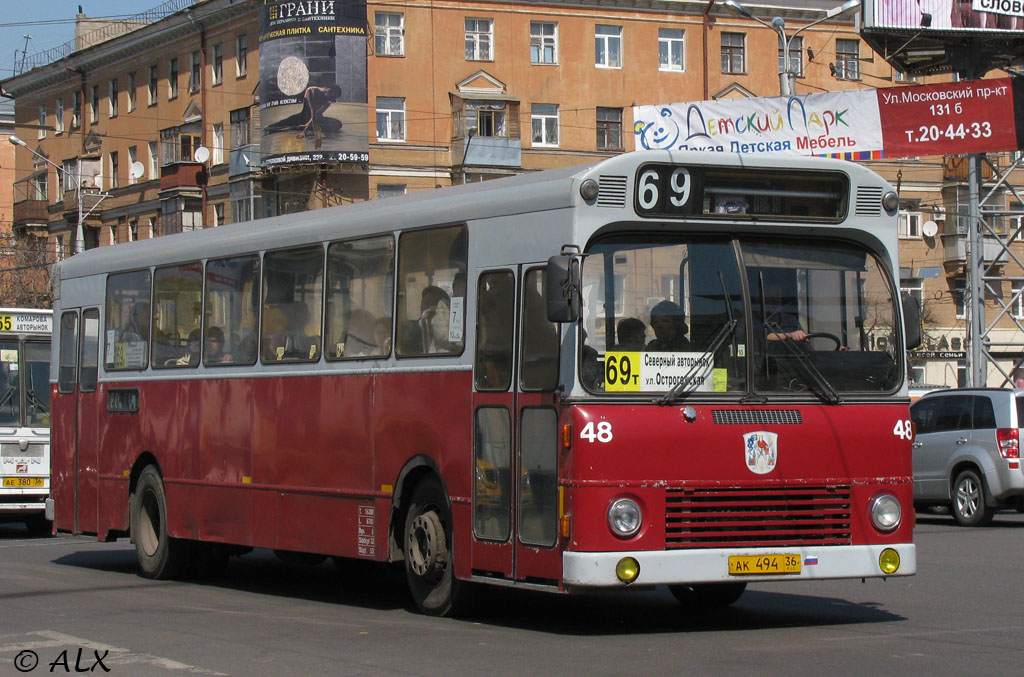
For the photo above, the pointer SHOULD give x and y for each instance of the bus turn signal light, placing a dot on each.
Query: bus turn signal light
(627, 570)
(889, 561)
(566, 435)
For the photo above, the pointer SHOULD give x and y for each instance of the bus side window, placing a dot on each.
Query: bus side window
(432, 291)
(178, 302)
(128, 321)
(292, 304)
(495, 329)
(231, 305)
(539, 348)
(361, 287)
(90, 350)
(67, 361)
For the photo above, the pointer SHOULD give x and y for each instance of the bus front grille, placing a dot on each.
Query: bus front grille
(754, 517)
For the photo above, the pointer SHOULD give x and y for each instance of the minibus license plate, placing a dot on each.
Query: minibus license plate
(22, 482)
(758, 565)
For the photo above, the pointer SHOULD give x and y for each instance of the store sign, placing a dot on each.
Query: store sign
(938, 354)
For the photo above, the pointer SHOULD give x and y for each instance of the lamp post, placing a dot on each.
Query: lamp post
(787, 76)
(79, 244)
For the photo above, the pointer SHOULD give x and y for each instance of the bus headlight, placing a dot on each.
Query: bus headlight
(624, 517)
(885, 512)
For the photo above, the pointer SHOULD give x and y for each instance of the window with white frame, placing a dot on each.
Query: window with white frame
(178, 144)
(94, 104)
(131, 92)
(41, 132)
(671, 50)
(479, 40)
(241, 56)
(608, 46)
(390, 118)
(154, 77)
(389, 33)
(133, 157)
(114, 169)
(58, 120)
(70, 174)
(154, 161)
(847, 59)
(910, 224)
(76, 110)
(390, 189)
(543, 42)
(217, 152)
(796, 56)
(40, 185)
(544, 119)
(486, 119)
(217, 59)
(734, 60)
(195, 74)
(112, 94)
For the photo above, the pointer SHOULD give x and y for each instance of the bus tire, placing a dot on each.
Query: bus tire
(428, 552)
(968, 505)
(160, 556)
(704, 596)
(39, 526)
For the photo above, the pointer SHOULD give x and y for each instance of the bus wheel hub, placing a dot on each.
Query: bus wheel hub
(427, 550)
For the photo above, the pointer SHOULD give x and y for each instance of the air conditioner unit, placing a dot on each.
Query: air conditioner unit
(938, 214)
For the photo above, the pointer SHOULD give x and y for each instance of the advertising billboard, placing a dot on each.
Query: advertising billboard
(313, 82)
(945, 15)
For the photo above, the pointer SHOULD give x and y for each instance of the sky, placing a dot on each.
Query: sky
(52, 22)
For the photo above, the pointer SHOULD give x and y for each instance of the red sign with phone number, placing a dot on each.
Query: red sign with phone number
(948, 119)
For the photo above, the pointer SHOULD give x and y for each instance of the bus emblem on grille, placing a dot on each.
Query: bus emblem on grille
(761, 450)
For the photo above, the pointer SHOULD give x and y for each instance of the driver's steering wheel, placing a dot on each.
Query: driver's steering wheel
(826, 335)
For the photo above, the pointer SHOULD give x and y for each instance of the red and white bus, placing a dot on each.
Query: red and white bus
(663, 368)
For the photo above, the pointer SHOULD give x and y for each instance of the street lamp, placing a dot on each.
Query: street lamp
(787, 76)
(79, 243)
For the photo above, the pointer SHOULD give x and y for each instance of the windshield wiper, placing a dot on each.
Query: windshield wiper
(724, 332)
(822, 387)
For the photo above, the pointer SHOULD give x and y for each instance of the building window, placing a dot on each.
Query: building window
(218, 64)
(113, 169)
(153, 78)
(913, 286)
(196, 73)
(177, 145)
(153, 161)
(796, 56)
(94, 104)
(172, 79)
(59, 247)
(544, 117)
(70, 174)
(241, 56)
(390, 118)
(910, 224)
(609, 129)
(848, 59)
(671, 50)
(218, 214)
(112, 98)
(42, 121)
(543, 42)
(389, 33)
(180, 215)
(133, 158)
(239, 127)
(485, 118)
(133, 228)
(608, 46)
(733, 53)
(131, 92)
(58, 119)
(959, 292)
(40, 186)
(390, 189)
(1017, 301)
(76, 110)
(479, 40)
(217, 155)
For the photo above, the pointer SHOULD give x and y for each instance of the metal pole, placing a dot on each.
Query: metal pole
(977, 368)
(786, 76)
(80, 229)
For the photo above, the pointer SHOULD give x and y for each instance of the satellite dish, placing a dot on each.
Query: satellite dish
(202, 154)
(136, 170)
(929, 228)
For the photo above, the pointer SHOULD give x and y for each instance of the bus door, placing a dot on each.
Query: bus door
(515, 429)
(76, 422)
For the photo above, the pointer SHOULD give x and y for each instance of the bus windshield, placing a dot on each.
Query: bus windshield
(24, 377)
(686, 313)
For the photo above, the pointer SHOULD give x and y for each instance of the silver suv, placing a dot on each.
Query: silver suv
(967, 452)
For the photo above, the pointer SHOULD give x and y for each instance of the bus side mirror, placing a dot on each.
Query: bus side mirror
(912, 321)
(562, 288)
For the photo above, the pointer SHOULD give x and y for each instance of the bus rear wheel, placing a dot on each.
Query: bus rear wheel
(159, 555)
(707, 595)
(428, 552)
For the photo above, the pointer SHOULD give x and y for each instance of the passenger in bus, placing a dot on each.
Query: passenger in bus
(195, 347)
(382, 335)
(670, 328)
(779, 318)
(435, 313)
(215, 347)
(632, 334)
(359, 339)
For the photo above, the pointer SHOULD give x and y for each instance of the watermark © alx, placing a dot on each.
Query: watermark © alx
(78, 661)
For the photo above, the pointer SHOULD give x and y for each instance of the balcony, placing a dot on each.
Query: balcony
(487, 151)
(954, 248)
(90, 199)
(182, 175)
(30, 212)
(956, 169)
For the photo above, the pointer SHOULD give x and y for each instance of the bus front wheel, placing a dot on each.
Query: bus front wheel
(428, 551)
(159, 555)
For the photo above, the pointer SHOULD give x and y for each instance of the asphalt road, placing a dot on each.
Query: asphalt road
(71, 601)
